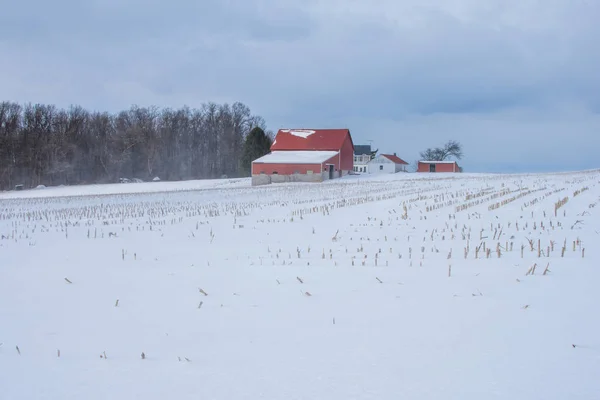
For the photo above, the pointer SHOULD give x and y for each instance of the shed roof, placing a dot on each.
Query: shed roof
(310, 139)
(362, 149)
(296, 157)
(395, 159)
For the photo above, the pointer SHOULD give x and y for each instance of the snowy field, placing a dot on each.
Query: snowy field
(130, 188)
(397, 287)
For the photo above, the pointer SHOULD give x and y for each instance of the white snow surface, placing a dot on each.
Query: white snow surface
(303, 133)
(356, 288)
(126, 188)
(297, 157)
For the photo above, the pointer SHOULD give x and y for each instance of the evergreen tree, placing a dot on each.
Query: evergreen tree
(374, 154)
(257, 144)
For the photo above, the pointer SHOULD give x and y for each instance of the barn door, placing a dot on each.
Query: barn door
(431, 167)
(330, 171)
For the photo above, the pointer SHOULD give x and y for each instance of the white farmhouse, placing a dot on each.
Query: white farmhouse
(362, 156)
(386, 164)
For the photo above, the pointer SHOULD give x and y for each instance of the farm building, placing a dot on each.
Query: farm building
(362, 156)
(387, 164)
(438, 166)
(305, 155)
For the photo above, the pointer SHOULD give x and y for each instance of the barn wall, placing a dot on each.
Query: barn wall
(381, 160)
(305, 178)
(296, 178)
(347, 155)
(285, 169)
(422, 167)
(268, 179)
(335, 160)
(388, 167)
(263, 174)
(444, 167)
(261, 180)
(400, 167)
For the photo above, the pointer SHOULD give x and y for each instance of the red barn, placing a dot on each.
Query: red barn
(305, 155)
(438, 166)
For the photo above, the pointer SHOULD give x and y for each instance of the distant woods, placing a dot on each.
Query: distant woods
(42, 144)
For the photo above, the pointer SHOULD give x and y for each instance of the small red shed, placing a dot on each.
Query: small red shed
(438, 166)
(305, 155)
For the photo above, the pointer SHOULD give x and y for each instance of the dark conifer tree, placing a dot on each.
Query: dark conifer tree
(257, 144)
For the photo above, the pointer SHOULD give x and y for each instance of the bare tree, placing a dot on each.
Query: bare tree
(40, 144)
(450, 149)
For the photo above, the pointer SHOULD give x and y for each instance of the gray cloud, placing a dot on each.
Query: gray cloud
(134, 20)
(418, 70)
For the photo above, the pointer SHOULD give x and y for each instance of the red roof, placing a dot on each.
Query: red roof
(394, 159)
(310, 139)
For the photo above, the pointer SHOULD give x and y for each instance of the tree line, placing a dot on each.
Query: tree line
(45, 145)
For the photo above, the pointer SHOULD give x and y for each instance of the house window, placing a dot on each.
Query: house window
(275, 173)
(381, 167)
(309, 172)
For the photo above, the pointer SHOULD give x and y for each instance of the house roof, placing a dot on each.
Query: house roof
(362, 149)
(395, 159)
(296, 157)
(310, 139)
(439, 162)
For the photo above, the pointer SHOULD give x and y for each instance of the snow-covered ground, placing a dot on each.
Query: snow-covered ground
(120, 188)
(395, 287)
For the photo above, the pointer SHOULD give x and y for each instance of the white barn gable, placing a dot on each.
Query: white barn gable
(386, 164)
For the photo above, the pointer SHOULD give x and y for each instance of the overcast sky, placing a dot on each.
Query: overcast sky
(517, 82)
